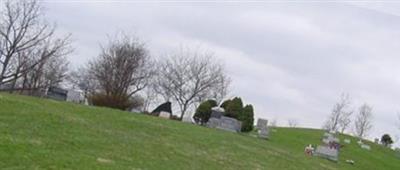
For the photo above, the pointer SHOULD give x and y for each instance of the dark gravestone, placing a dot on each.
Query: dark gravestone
(262, 123)
(165, 107)
(57, 93)
(216, 113)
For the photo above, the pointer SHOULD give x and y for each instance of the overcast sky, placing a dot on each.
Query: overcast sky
(291, 60)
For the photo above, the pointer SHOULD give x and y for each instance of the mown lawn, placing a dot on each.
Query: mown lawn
(46, 134)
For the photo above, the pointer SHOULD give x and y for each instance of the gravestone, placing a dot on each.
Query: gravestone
(330, 139)
(213, 122)
(188, 118)
(360, 142)
(262, 123)
(217, 112)
(229, 124)
(74, 96)
(365, 146)
(330, 147)
(397, 150)
(326, 134)
(225, 123)
(262, 127)
(165, 107)
(57, 93)
(327, 152)
(165, 115)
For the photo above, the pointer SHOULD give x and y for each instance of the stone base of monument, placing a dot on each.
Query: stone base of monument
(165, 115)
(225, 123)
(327, 152)
(263, 133)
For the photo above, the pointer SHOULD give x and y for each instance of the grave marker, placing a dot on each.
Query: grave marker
(262, 127)
(327, 152)
(225, 123)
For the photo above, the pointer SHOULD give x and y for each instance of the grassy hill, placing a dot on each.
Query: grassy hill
(46, 134)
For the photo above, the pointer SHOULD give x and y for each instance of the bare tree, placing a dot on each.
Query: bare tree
(48, 73)
(81, 79)
(340, 117)
(293, 123)
(363, 122)
(188, 77)
(122, 69)
(26, 41)
(150, 98)
(274, 123)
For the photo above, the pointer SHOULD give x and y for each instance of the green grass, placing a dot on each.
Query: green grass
(46, 134)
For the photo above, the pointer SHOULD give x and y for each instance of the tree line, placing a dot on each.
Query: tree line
(124, 75)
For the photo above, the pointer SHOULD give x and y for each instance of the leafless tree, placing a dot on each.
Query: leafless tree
(363, 121)
(189, 76)
(293, 123)
(81, 79)
(150, 97)
(274, 123)
(340, 117)
(48, 73)
(27, 42)
(122, 69)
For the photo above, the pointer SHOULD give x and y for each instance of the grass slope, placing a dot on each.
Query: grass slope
(46, 134)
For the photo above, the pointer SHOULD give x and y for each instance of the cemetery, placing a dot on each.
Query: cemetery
(158, 143)
(199, 85)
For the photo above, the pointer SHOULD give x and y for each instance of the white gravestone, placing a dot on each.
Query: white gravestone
(366, 147)
(262, 127)
(165, 115)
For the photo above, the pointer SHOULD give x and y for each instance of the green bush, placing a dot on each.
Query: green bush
(213, 103)
(247, 118)
(203, 112)
(386, 140)
(234, 108)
